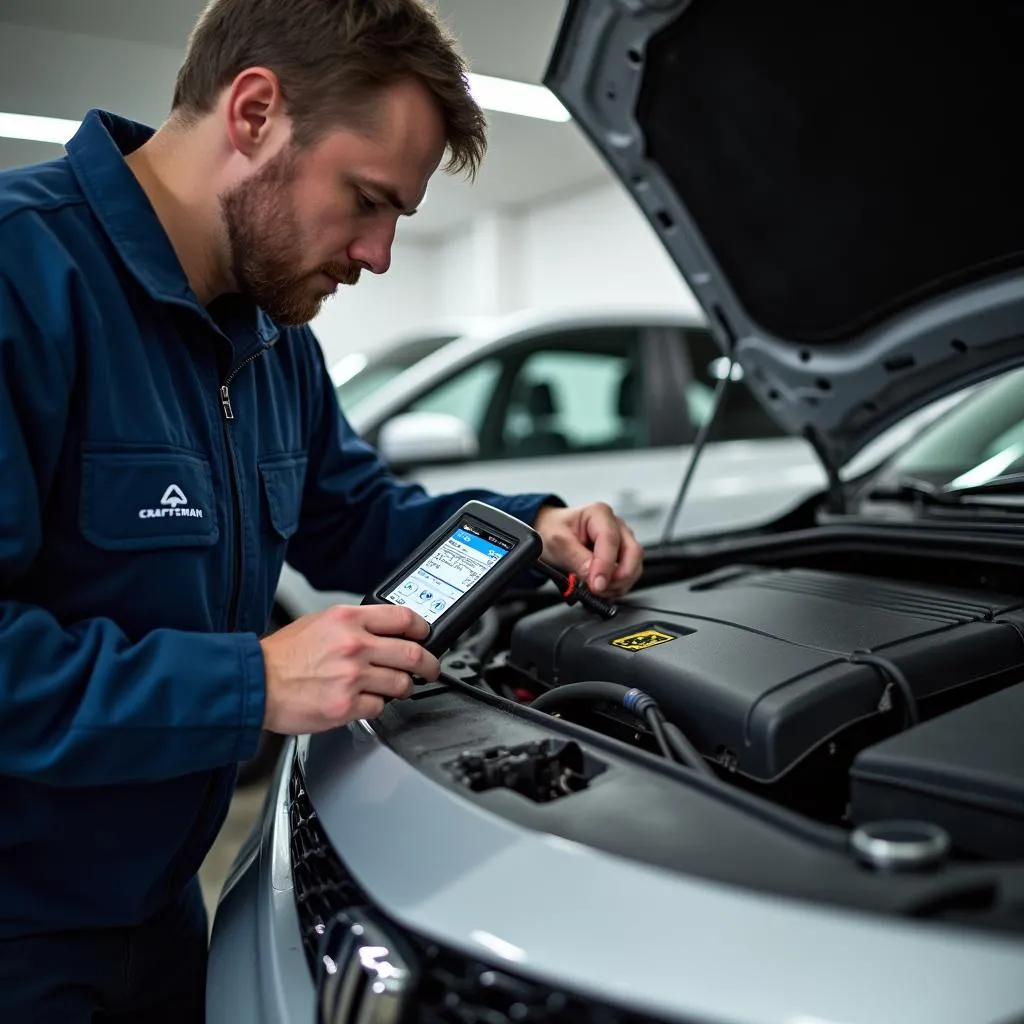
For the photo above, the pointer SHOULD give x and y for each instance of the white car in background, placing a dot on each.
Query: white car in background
(358, 374)
(581, 403)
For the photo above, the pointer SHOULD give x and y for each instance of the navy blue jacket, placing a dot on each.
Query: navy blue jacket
(142, 532)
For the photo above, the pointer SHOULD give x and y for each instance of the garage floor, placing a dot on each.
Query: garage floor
(245, 807)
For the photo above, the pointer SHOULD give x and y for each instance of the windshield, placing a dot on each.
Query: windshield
(368, 380)
(980, 440)
(383, 368)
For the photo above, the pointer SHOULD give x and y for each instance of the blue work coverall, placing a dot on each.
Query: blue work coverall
(142, 533)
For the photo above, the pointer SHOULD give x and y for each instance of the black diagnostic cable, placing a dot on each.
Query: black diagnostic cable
(674, 746)
(573, 589)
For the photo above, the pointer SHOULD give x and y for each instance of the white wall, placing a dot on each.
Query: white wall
(595, 247)
(478, 272)
(61, 74)
(590, 248)
(452, 265)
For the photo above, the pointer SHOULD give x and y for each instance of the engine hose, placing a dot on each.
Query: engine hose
(655, 724)
(685, 751)
(582, 693)
(676, 746)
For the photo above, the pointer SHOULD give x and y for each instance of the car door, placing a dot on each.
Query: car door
(568, 412)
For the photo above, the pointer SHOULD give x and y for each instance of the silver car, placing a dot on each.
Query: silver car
(784, 783)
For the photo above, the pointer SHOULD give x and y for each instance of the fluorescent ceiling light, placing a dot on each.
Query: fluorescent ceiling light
(508, 97)
(37, 129)
(498, 94)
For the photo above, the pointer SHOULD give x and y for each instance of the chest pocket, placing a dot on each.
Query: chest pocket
(283, 477)
(137, 499)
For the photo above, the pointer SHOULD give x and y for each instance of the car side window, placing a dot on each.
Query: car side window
(570, 394)
(467, 394)
(743, 418)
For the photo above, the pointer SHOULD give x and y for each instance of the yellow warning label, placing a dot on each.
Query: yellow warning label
(642, 640)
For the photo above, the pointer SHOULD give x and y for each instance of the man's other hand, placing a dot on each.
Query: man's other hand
(594, 543)
(337, 666)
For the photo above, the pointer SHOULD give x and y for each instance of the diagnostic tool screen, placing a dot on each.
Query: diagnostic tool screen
(451, 570)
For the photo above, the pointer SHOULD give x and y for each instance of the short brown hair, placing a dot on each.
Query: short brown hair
(331, 57)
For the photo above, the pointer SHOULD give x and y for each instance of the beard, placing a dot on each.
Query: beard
(265, 247)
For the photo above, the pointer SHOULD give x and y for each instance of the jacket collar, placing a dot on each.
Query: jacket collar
(97, 156)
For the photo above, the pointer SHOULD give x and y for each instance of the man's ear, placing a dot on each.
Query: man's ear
(255, 114)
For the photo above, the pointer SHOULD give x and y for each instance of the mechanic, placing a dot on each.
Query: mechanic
(168, 431)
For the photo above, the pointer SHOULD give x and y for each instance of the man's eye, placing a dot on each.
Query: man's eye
(366, 203)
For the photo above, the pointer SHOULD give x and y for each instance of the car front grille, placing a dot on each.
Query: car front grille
(322, 886)
(452, 988)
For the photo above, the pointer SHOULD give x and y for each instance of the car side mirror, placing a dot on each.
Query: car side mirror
(421, 438)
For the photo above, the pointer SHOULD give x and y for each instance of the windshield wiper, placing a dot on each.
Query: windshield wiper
(1000, 491)
(910, 488)
(1009, 483)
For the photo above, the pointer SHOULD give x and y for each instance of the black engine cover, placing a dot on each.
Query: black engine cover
(760, 667)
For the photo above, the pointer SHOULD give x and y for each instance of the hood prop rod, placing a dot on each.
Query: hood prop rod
(717, 404)
(835, 498)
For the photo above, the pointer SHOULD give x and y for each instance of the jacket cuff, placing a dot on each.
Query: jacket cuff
(527, 507)
(253, 695)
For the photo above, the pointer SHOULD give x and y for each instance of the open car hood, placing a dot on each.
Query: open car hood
(840, 184)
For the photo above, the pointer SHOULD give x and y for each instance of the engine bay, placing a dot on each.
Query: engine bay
(849, 697)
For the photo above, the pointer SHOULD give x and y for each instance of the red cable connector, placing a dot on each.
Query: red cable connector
(573, 589)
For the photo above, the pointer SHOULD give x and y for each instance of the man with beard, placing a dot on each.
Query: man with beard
(168, 433)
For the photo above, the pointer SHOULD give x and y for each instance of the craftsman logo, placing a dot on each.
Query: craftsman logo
(173, 503)
(642, 640)
(174, 496)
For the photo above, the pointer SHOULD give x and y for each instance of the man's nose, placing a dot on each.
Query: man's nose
(373, 250)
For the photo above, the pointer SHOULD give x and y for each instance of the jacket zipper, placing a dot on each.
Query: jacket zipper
(236, 503)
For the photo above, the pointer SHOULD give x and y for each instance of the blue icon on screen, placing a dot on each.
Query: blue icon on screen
(426, 595)
(437, 606)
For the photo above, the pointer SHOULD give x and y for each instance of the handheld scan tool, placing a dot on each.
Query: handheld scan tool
(460, 570)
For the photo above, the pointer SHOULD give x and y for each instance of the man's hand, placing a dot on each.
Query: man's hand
(594, 543)
(338, 665)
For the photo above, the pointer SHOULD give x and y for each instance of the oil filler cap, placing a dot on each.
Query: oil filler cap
(900, 845)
